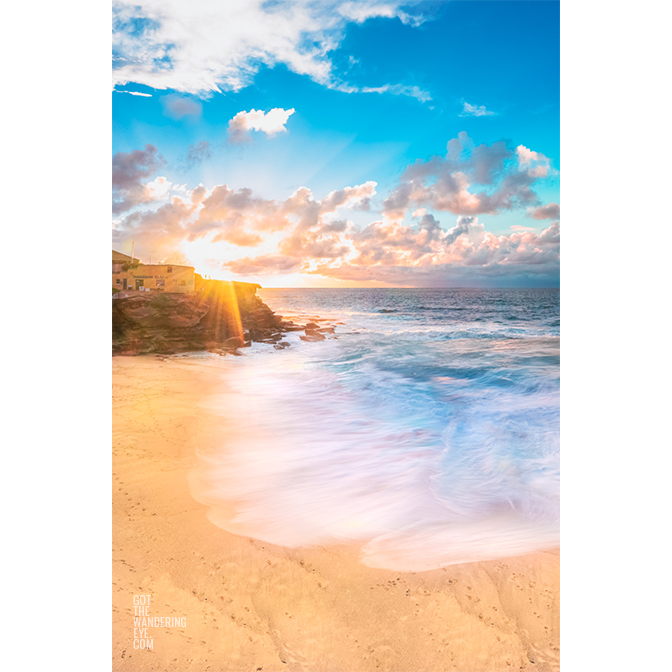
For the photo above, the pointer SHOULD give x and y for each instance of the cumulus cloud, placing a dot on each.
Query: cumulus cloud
(388, 242)
(239, 217)
(358, 197)
(469, 180)
(204, 46)
(311, 212)
(159, 232)
(263, 265)
(426, 254)
(242, 219)
(271, 123)
(534, 163)
(128, 168)
(198, 194)
(128, 171)
(475, 111)
(462, 226)
(306, 234)
(548, 211)
(159, 188)
(313, 245)
(234, 216)
(464, 253)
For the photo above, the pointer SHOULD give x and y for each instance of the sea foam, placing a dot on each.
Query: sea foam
(424, 453)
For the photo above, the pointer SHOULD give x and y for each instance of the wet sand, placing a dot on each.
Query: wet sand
(253, 606)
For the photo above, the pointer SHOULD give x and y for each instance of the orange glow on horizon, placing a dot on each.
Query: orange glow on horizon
(295, 281)
(206, 257)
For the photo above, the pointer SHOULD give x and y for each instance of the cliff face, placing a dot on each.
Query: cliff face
(218, 315)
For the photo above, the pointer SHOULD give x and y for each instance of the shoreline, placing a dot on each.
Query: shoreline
(250, 605)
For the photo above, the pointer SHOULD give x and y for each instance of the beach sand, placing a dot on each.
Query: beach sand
(253, 606)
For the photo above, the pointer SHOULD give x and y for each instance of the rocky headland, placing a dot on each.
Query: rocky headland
(218, 316)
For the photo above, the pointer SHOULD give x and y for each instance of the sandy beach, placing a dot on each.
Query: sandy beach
(253, 606)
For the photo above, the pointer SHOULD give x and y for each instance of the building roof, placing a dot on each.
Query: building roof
(119, 258)
(165, 264)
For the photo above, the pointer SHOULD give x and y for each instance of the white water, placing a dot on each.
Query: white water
(424, 452)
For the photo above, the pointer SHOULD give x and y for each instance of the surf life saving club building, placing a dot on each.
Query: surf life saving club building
(131, 275)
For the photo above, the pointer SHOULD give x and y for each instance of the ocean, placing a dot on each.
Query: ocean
(425, 430)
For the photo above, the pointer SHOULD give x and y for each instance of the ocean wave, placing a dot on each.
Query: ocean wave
(419, 471)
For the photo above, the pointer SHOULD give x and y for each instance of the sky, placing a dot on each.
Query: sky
(340, 144)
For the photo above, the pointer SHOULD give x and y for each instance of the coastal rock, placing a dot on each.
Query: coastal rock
(234, 342)
(315, 334)
(312, 336)
(217, 315)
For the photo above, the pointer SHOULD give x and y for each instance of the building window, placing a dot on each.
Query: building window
(183, 283)
(139, 284)
(170, 269)
(160, 282)
(118, 281)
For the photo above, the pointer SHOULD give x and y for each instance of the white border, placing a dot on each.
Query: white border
(614, 316)
(57, 122)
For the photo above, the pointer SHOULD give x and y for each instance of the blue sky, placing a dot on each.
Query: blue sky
(363, 91)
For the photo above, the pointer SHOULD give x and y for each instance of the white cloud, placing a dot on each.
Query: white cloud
(548, 211)
(135, 93)
(306, 234)
(476, 111)
(309, 235)
(271, 123)
(399, 90)
(535, 163)
(361, 11)
(205, 46)
(469, 180)
(526, 156)
(158, 188)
